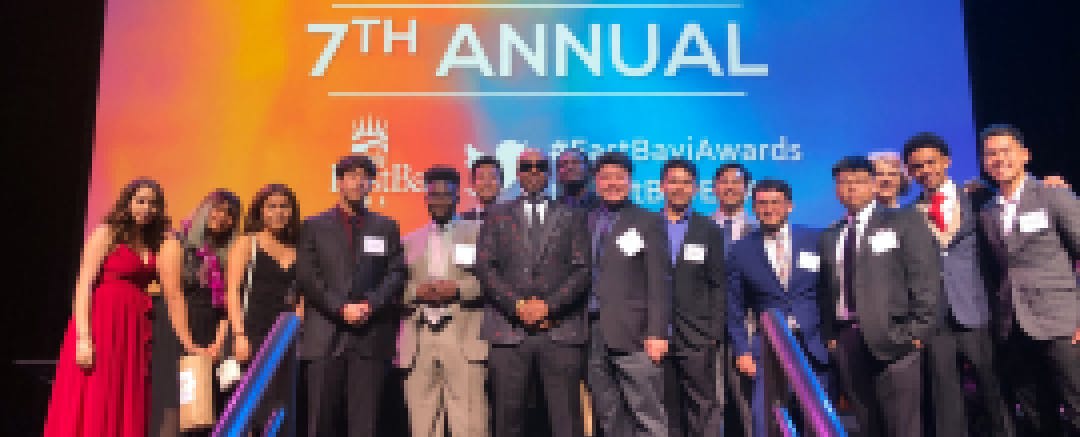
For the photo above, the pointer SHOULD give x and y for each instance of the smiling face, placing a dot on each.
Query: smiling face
(276, 213)
(679, 187)
(354, 186)
(928, 167)
(143, 206)
(772, 208)
(487, 183)
(613, 183)
(570, 167)
(889, 178)
(220, 221)
(441, 198)
(855, 189)
(730, 189)
(1004, 159)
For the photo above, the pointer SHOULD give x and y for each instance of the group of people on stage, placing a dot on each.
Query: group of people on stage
(642, 323)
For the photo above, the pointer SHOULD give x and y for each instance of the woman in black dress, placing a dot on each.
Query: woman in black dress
(189, 315)
(266, 254)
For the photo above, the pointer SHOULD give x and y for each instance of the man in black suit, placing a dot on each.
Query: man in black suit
(698, 303)
(631, 273)
(351, 272)
(881, 302)
(487, 183)
(533, 265)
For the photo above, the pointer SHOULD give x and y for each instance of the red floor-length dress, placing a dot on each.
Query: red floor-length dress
(112, 397)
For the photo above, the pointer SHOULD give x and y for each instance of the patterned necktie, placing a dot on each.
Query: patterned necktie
(783, 262)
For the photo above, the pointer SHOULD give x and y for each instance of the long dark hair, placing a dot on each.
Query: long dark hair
(122, 224)
(254, 222)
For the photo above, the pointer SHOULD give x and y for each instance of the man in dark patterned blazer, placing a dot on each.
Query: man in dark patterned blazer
(533, 265)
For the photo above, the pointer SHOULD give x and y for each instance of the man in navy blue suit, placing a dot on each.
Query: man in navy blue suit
(775, 267)
(952, 215)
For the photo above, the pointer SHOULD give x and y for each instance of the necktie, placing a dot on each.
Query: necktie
(783, 270)
(937, 211)
(849, 266)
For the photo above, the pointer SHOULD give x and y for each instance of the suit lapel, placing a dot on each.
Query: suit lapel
(991, 216)
(799, 244)
(420, 268)
(757, 240)
(1027, 203)
(518, 212)
(622, 223)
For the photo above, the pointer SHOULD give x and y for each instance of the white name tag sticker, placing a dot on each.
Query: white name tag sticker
(187, 387)
(464, 254)
(809, 261)
(374, 245)
(694, 252)
(883, 241)
(630, 242)
(228, 373)
(1033, 221)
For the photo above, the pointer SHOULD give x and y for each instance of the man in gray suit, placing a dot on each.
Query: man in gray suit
(350, 269)
(631, 274)
(1035, 234)
(440, 342)
(951, 215)
(879, 305)
(533, 264)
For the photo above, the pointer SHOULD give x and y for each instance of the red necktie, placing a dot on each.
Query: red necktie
(937, 213)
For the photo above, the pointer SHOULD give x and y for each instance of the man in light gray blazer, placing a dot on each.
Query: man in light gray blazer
(1034, 232)
(440, 341)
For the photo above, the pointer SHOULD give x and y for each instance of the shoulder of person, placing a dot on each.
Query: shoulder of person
(381, 219)
(330, 214)
(1050, 191)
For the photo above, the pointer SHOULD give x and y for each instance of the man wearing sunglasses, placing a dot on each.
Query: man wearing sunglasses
(533, 264)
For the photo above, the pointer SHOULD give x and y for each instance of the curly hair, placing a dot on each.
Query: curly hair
(122, 224)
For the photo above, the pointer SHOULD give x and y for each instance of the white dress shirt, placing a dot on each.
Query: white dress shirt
(782, 260)
(739, 220)
(1008, 213)
(541, 208)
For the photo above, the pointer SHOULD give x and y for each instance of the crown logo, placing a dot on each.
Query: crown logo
(370, 134)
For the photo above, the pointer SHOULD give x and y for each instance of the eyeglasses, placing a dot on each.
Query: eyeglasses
(528, 166)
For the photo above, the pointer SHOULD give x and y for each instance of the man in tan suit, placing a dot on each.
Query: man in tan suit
(440, 340)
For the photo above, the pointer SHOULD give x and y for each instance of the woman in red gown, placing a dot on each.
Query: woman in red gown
(103, 373)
